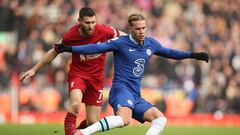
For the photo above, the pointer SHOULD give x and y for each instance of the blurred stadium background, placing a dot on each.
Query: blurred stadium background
(190, 93)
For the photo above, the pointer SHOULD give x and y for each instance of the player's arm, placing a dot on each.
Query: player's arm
(113, 32)
(84, 49)
(178, 55)
(111, 45)
(47, 58)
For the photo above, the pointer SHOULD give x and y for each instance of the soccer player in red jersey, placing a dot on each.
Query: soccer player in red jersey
(86, 74)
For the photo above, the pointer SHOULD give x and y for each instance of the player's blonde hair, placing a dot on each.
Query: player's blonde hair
(135, 17)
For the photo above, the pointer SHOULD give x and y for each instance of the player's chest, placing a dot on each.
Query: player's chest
(132, 53)
(87, 40)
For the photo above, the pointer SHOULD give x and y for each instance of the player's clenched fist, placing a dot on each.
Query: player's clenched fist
(200, 56)
(27, 75)
(60, 48)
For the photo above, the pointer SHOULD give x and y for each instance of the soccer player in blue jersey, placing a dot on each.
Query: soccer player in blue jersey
(131, 55)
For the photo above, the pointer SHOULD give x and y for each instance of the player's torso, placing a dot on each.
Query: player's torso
(130, 63)
(87, 65)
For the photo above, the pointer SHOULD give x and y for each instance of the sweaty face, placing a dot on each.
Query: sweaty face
(137, 30)
(87, 25)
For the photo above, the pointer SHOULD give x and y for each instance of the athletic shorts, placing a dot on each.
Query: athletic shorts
(92, 92)
(120, 96)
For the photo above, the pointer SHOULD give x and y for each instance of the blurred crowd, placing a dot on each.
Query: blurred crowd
(29, 28)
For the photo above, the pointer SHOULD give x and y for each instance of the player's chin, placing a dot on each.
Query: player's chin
(141, 38)
(90, 32)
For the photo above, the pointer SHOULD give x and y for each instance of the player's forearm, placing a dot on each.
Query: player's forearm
(178, 55)
(47, 58)
(91, 48)
(85, 49)
(175, 54)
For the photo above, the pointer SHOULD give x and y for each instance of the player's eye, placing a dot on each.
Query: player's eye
(90, 22)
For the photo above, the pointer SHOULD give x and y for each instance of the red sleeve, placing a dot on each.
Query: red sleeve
(65, 38)
(70, 34)
(111, 32)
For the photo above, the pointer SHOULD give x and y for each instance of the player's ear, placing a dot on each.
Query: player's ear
(130, 28)
(79, 20)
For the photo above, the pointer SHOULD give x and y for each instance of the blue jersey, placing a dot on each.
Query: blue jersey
(131, 58)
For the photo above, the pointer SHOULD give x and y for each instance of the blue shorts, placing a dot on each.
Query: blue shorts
(120, 96)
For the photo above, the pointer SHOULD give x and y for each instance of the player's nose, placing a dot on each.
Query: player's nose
(91, 25)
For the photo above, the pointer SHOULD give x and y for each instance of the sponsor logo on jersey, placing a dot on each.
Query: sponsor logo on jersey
(139, 69)
(93, 56)
(84, 57)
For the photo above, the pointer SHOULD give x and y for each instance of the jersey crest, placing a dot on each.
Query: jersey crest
(149, 52)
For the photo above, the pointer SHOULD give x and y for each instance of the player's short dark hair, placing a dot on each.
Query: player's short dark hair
(86, 11)
(135, 17)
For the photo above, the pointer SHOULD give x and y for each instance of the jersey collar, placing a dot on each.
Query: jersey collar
(134, 41)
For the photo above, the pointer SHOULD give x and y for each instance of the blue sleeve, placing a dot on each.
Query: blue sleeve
(171, 53)
(111, 45)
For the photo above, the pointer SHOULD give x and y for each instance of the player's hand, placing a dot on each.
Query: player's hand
(27, 75)
(200, 56)
(60, 48)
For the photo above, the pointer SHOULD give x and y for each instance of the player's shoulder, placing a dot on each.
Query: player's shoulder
(71, 32)
(105, 30)
(73, 29)
(102, 27)
(151, 42)
(150, 39)
(122, 38)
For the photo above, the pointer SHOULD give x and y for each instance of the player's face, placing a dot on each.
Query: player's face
(137, 30)
(87, 24)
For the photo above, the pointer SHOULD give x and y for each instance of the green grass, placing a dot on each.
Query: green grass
(174, 130)
(51, 129)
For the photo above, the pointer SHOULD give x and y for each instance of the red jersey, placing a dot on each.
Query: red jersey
(88, 66)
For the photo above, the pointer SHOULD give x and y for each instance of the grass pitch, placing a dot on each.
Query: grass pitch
(56, 129)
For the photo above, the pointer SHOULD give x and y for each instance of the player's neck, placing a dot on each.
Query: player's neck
(138, 42)
(141, 42)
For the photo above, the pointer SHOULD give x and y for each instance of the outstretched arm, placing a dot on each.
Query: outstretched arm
(86, 49)
(47, 57)
(175, 54)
